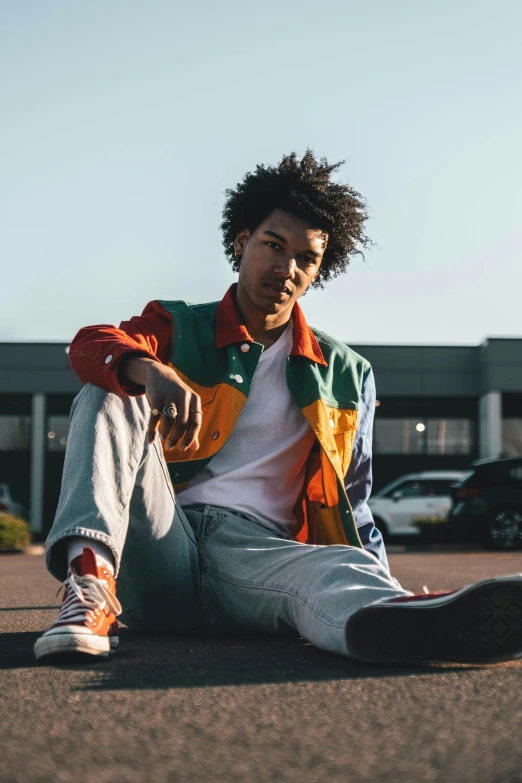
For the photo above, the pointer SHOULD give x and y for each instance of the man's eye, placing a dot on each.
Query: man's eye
(308, 260)
(273, 245)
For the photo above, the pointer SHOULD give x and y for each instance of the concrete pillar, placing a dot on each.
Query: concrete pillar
(38, 443)
(490, 424)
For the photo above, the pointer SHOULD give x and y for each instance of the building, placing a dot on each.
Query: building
(438, 407)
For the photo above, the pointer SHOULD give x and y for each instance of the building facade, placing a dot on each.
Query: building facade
(438, 407)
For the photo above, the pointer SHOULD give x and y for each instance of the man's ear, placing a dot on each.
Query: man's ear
(240, 242)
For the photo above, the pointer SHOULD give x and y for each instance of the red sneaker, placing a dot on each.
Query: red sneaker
(481, 623)
(87, 620)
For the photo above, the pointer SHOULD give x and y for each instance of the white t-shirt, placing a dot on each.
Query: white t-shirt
(260, 469)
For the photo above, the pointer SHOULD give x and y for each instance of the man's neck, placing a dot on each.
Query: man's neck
(265, 329)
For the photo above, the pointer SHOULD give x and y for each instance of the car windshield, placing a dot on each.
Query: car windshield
(388, 488)
(413, 484)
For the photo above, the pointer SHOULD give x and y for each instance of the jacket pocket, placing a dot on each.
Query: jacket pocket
(344, 427)
(328, 528)
(206, 394)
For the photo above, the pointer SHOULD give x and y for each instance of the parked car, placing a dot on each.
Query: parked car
(487, 504)
(9, 505)
(398, 505)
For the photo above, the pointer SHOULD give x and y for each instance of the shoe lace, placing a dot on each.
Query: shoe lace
(83, 594)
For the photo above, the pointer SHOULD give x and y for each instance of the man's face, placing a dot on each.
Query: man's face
(279, 260)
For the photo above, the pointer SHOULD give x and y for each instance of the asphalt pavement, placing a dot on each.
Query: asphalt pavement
(238, 708)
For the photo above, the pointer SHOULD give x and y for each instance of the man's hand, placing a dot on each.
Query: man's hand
(164, 387)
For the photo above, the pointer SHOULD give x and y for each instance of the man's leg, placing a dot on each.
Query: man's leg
(254, 579)
(116, 491)
(343, 600)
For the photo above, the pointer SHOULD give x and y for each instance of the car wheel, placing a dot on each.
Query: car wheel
(381, 527)
(504, 529)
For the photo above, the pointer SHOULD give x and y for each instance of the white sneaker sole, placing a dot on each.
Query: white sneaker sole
(63, 643)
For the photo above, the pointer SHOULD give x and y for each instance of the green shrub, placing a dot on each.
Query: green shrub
(14, 532)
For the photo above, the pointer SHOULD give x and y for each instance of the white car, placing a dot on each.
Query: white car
(396, 506)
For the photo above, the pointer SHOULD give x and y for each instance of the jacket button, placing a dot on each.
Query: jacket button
(215, 435)
(108, 358)
(332, 423)
(245, 347)
(238, 378)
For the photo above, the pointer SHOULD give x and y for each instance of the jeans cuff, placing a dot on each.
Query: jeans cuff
(56, 559)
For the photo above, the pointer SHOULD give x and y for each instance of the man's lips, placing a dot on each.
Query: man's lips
(277, 289)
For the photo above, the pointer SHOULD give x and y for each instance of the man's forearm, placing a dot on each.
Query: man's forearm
(134, 370)
(97, 352)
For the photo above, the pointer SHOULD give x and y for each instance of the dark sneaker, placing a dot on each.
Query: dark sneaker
(87, 620)
(481, 623)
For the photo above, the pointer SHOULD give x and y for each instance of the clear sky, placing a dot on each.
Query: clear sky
(123, 121)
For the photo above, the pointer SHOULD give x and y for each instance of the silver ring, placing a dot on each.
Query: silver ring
(169, 411)
(201, 412)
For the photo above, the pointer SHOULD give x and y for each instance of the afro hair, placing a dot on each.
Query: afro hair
(303, 188)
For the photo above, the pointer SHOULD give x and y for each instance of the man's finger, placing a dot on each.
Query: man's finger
(181, 423)
(152, 427)
(166, 425)
(193, 428)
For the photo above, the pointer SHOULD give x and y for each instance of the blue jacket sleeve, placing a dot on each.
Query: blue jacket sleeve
(358, 480)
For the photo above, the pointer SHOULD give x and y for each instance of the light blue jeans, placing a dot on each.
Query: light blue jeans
(202, 566)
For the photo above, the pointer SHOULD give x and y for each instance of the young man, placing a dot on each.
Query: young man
(260, 520)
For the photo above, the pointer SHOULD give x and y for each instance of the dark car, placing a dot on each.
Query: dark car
(487, 504)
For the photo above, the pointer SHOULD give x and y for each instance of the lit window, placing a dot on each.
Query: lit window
(450, 436)
(397, 436)
(58, 432)
(511, 437)
(435, 436)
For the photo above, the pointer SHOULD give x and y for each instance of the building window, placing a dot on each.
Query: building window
(511, 437)
(15, 433)
(397, 436)
(57, 432)
(450, 436)
(424, 436)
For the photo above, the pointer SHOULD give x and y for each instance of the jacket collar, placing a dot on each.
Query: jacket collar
(230, 329)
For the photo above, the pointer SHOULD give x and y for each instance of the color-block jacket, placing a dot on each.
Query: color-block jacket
(213, 353)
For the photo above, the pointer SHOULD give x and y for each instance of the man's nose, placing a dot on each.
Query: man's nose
(286, 267)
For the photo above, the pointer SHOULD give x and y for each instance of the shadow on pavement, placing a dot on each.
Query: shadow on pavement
(27, 608)
(195, 660)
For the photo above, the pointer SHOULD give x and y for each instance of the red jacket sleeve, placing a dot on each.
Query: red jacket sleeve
(96, 351)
